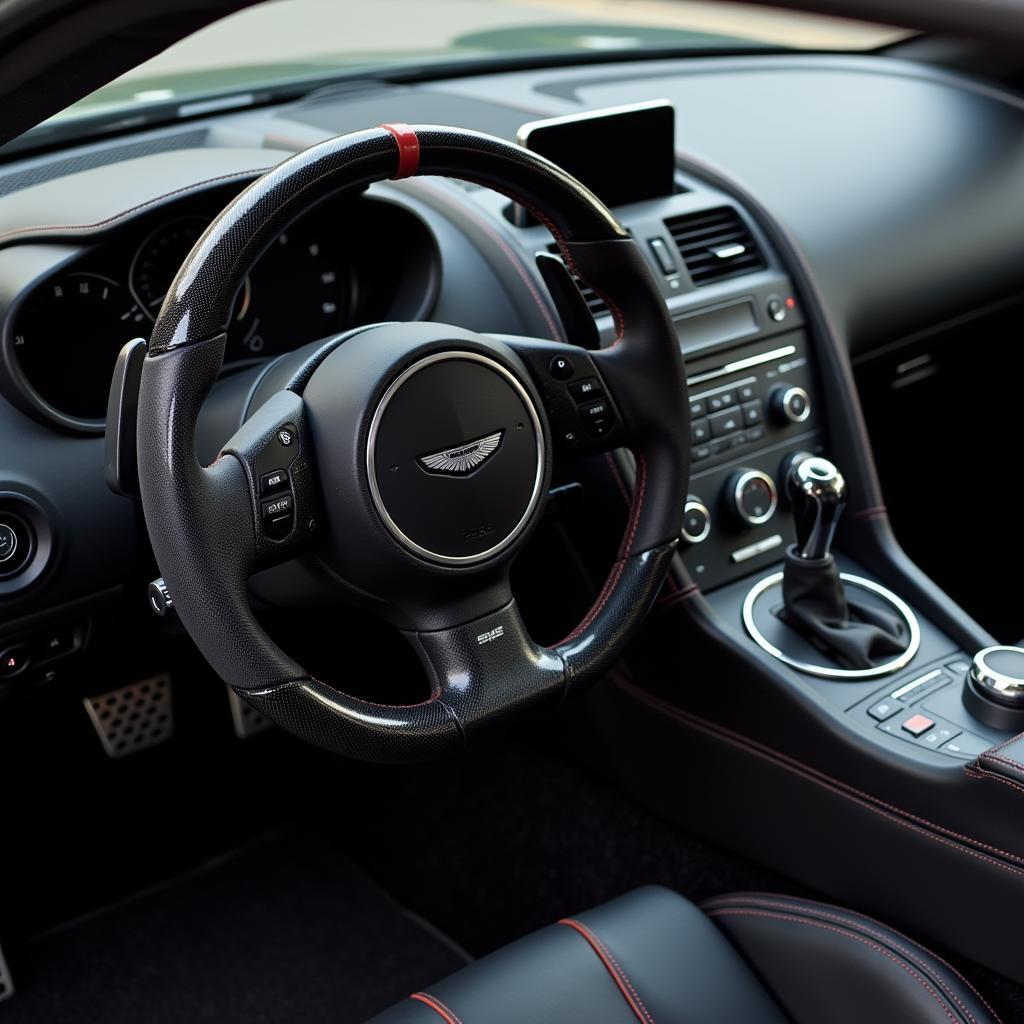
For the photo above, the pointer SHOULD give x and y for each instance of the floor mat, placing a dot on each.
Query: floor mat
(286, 929)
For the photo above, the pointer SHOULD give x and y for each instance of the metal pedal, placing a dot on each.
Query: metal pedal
(245, 718)
(6, 981)
(134, 717)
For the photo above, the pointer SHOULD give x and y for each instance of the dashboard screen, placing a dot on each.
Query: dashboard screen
(622, 154)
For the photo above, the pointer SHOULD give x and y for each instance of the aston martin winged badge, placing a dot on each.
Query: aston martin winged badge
(465, 458)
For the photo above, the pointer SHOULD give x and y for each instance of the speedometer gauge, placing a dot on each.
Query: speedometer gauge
(297, 292)
(66, 337)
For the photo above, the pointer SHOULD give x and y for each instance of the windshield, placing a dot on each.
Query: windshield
(288, 40)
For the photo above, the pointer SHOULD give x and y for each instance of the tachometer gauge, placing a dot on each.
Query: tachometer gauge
(66, 337)
(295, 293)
(157, 260)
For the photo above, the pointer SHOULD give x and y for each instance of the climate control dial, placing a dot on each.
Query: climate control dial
(696, 521)
(752, 496)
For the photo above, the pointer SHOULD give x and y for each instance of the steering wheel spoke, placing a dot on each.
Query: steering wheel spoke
(464, 662)
(273, 447)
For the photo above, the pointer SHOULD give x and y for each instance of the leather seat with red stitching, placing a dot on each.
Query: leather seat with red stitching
(752, 958)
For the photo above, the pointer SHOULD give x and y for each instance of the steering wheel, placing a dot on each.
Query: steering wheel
(413, 459)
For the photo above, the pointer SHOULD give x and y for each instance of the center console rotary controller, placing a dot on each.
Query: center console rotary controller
(994, 687)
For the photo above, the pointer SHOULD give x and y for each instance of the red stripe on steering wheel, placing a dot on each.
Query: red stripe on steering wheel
(408, 150)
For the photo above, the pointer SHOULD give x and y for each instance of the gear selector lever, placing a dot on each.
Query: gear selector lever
(817, 492)
(816, 603)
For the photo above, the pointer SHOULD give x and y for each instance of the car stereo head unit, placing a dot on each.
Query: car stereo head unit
(622, 154)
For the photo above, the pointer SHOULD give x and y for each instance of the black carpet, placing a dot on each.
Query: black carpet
(286, 929)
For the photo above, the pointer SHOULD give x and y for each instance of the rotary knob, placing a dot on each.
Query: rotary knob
(998, 674)
(696, 521)
(789, 404)
(752, 496)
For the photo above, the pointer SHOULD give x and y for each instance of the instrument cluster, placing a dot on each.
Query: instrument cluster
(327, 272)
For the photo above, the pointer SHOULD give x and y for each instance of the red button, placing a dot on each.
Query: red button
(917, 724)
(14, 660)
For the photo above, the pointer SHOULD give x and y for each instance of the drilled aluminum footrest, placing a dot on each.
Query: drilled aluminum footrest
(134, 717)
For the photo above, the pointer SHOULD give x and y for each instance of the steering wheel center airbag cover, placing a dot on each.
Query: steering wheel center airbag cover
(455, 458)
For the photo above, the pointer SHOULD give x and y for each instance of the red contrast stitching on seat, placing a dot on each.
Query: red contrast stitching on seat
(823, 910)
(625, 986)
(437, 1006)
(408, 149)
(736, 912)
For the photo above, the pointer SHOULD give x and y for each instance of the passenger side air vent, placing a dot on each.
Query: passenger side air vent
(596, 305)
(715, 245)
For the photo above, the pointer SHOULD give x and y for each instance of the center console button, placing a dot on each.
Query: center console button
(725, 400)
(725, 422)
(700, 431)
(917, 725)
(752, 413)
(884, 709)
(939, 736)
(959, 668)
(966, 745)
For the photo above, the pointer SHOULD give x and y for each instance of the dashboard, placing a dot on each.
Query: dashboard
(91, 238)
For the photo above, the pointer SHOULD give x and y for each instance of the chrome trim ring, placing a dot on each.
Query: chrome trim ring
(694, 504)
(787, 396)
(371, 443)
(997, 685)
(825, 671)
(737, 491)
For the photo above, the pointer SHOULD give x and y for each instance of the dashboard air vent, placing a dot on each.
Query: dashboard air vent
(596, 305)
(715, 245)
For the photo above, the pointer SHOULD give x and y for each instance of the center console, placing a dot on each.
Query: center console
(804, 692)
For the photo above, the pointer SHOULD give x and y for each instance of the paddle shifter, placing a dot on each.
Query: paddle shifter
(856, 633)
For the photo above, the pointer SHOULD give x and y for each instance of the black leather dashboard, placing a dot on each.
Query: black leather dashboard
(873, 165)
